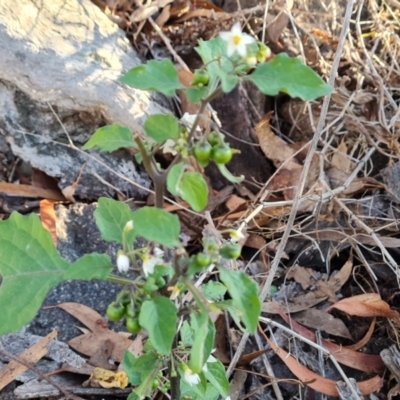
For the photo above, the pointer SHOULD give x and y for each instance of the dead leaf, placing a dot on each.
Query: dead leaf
(318, 383)
(360, 361)
(69, 191)
(318, 319)
(310, 299)
(274, 148)
(248, 358)
(276, 25)
(48, 218)
(101, 377)
(255, 241)
(361, 343)
(30, 356)
(235, 202)
(89, 343)
(365, 305)
(12, 189)
(340, 160)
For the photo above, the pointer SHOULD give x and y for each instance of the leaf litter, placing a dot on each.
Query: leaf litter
(350, 196)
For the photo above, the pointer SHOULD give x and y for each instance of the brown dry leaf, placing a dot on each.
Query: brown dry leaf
(361, 343)
(360, 361)
(101, 358)
(101, 377)
(164, 16)
(248, 358)
(318, 319)
(89, 343)
(136, 348)
(69, 191)
(274, 148)
(283, 155)
(365, 305)
(12, 189)
(339, 178)
(48, 218)
(341, 161)
(255, 241)
(317, 382)
(30, 356)
(220, 340)
(310, 299)
(234, 202)
(276, 25)
(304, 276)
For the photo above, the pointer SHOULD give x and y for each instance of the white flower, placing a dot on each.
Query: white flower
(151, 260)
(169, 147)
(128, 226)
(190, 377)
(210, 359)
(122, 262)
(188, 121)
(237, 41)
(236, 236)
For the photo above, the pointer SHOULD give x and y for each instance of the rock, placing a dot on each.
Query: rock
(59, 75)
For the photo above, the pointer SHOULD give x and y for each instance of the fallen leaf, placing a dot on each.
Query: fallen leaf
(360, 361)
(30, 356)
(317, 382)
(89, 343)
(365, 305)
(361, 343)
(248, 358)
(318, 319)
(12, 189)
(48, 218)
(312, 298)
(340, 159)
(101, 377)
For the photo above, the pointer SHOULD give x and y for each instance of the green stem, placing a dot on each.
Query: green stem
(155, 174)
(119, 280)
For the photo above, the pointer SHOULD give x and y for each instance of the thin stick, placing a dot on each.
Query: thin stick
(296, 201)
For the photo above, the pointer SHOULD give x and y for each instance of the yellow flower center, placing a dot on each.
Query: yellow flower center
(236, 40)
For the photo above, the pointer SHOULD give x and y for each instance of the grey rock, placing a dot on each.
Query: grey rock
(66, 56)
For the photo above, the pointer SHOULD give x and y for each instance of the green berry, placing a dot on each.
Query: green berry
(133, 326)
(214, 138)
(115, 312)
(230, 251)
(203, 259)
(200, 77)
(202, 151)
(221, 154)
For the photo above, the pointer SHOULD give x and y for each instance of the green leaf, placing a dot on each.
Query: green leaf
(213, 54)
(186, 334)
(204, 335)
(159, 317)
(290, 76)
(90, 266)
(146, 387)
(244, 293)
(162, 127)
(189, 186)
(30, 267)
(214, 290)
(111, 217)
(216, 375)
(160, 76)
(197, 392)
(128, 364)
(157, 225)
(110, 138)
(195, 94)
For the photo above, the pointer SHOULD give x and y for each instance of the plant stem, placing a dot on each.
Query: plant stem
(119, 280)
